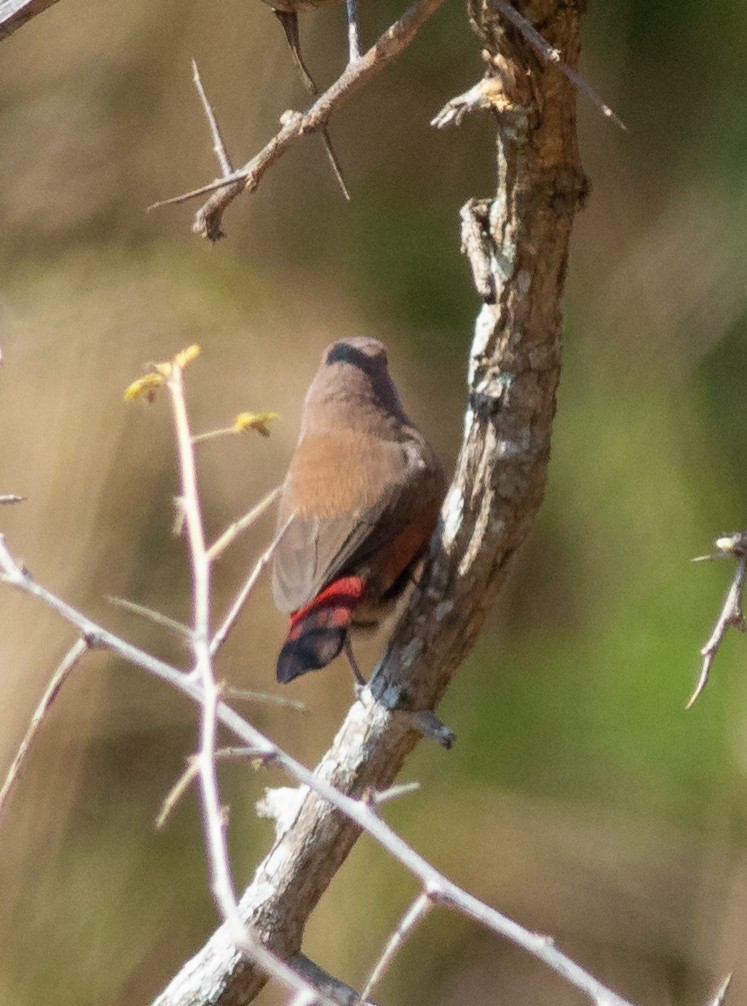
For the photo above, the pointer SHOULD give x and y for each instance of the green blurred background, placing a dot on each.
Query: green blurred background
(581, 798)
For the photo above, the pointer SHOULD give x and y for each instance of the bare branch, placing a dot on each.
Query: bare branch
(552, 55)
(732, 613)
(58, 679)
(294, 125)
(178, 628)
(220, 636)
(15, 13)
(218, 145)
(364, 817)
(720, 997)
(412, 917)
(266, 698)
(190, 773)
(213, 817)
(289, 21)
(430, 726)
(393, 793)
(177, 791)
(337, 990)
(234, 530)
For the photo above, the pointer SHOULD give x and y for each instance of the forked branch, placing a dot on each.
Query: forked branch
(294, 125)
(732, 611)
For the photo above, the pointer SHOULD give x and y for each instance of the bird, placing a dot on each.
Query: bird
(357, 509)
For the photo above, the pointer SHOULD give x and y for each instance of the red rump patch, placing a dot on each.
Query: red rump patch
(318, 630)
(335, 603)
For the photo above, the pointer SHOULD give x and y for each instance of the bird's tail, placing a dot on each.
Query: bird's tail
(318, 631)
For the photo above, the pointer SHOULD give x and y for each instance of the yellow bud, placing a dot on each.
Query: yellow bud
(254, 421)
(147, 386)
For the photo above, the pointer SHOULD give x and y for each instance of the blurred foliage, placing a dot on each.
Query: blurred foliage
(581, 798)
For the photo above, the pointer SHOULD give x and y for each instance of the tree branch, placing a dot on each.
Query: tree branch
(732, 610)
(522, 246)
(15, 13)
(317, 801)
(294, 125)
(58, 679)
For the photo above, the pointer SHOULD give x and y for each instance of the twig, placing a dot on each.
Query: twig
(720, 997)
(258, 421)
(58, 679)
(267, 698)
(412, 917)
(218, 145)
(177, 791)
(213, 817)
(337, 990)
(178, 628)
(395, 39)
(376, 799)
(435, 883)
(220, 636)
(234, 530)
(552, 55)
(15, 13)
(189, 775)
(732, 613)
(289, 21)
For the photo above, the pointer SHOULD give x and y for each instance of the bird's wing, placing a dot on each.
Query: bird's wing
(317, 545)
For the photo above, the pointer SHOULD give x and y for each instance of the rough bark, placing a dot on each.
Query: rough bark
(15, 13)
(518, 249)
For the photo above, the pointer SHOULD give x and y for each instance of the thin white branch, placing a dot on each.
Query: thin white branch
(177, 791)
(213, 817)
(214, 820)
(232, 532)
(294, 125)
(376, 799)
(732, 612)
(720, 997)
(220, 636)
(58, 679)
(190, 773)
(178, 628)
(218, 145)
(437, 886)
(412, 917)
(262, 698)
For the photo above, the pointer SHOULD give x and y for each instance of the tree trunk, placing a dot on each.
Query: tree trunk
(517, 244)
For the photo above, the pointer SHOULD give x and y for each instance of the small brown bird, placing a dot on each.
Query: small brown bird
(362, 495)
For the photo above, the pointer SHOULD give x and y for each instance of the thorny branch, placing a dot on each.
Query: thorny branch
(200, 685)
(553, 55)
(208, 219)
(58, 679)
(412, 918)
(438, 888)
(213, 818)
(219, 147)
(213, 814)
(15, 13)
(732, 611)
(294, 125)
